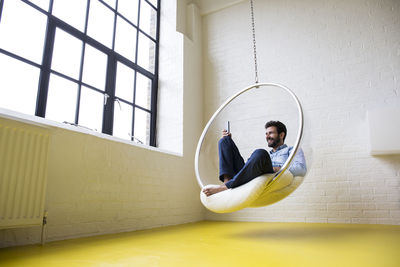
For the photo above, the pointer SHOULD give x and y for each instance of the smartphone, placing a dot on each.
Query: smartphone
(228, 127)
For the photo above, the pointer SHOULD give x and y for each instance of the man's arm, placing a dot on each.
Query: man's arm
(298, 166)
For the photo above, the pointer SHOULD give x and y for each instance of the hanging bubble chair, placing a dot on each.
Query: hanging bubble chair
(248, 110)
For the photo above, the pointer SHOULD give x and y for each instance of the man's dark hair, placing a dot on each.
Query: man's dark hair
(280, 127)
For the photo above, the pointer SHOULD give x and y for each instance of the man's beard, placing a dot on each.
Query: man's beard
(274, 142)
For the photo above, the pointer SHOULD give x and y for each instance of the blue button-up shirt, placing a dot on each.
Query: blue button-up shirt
(279, 157)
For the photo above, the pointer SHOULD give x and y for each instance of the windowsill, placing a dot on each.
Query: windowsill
(41, 122)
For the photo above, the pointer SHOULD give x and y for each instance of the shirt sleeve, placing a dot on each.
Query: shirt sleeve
(298, 166)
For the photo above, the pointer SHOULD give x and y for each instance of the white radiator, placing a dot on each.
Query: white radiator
(23, 173)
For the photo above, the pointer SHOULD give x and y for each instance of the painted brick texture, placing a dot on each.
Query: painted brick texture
(341, 58)
(98, 186)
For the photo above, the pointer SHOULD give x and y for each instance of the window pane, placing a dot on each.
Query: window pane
(125, 39)
(122, 120)
(72, 12)
(148, 19)
(61, 99)
(154, 2)
(94, 67)
(101, 23)
(67, 54)
(125, 82)
(16, 93)
(142, 126)
(143, 91)
(91, 109)
(44, 4)
(22, 25)
(146, 53)
(129, 9)
(111, 3)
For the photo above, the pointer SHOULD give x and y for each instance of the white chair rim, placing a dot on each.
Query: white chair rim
(229, 100)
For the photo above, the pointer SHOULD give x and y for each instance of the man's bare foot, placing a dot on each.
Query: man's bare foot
(215, 189)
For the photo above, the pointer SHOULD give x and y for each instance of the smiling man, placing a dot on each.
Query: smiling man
(275, 135)
(235, 172)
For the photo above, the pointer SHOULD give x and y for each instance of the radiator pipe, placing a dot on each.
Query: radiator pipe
(43, 239)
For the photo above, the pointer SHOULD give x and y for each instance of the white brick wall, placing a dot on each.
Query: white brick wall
(98, 186)
(341, 58)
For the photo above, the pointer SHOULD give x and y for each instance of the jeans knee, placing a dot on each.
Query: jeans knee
(224, 140)
(260, 153)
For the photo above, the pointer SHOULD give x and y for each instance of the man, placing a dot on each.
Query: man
(235, 172)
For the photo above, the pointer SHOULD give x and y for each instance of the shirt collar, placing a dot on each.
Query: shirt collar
(279, 148)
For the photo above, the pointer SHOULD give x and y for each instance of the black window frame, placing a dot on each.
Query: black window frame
(113, 57)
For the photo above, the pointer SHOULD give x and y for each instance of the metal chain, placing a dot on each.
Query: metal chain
(254, 40)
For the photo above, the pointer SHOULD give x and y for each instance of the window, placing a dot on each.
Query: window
(92, 63)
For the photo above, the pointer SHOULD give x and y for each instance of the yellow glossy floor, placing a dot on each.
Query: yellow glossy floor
(222, 244)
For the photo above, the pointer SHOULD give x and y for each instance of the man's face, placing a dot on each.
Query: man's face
(272, 137)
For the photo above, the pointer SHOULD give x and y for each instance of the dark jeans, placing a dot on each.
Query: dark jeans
(231, 163)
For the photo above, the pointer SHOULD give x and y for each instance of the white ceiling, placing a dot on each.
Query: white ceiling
(209, 6)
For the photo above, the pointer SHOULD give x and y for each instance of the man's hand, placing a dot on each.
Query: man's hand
(226, 133)
(276, 169)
